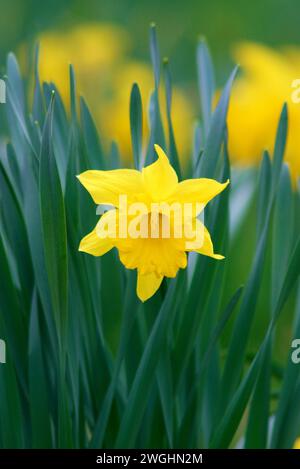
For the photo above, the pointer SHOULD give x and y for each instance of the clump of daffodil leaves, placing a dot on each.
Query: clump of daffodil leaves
(203, 354)
(154, 258)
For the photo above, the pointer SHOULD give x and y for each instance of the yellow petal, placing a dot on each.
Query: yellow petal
(162, 256)
(108, 225)
(203, 236)
(95, 246)
(105, 187)
(197, 191)
(102, 238)
(147, 285)
(160, 179)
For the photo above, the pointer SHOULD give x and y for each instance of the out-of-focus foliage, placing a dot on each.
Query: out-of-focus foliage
(100, 54)
(266, 82)
(223, 22)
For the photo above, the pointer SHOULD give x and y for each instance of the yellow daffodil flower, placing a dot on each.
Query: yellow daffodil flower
(267, 81)
(157, 189)
(91, 48)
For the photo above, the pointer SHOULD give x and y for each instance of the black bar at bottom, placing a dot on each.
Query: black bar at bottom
(128, 458)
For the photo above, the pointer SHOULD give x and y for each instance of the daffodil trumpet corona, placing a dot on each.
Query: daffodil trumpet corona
(153, 220)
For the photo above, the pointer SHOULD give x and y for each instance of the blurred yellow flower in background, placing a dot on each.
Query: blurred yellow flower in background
(297, 444)
(256, 101)
(104, 69)
(92, 49)
(113, 116)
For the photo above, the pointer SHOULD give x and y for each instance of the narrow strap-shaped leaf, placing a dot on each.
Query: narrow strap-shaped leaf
(114, 156)
(53, 227)
(241, 331)
(155, 56)
(210, 157)
(156, 126)
(173, 153)
(38, 397)
(141, 386)
(136, 124)
(60, 131)
(73, 97)
(126, 329)
(264, 193)
(12, 434)
(280, 431)
(33, 223)
(38, 108)
(91, 139)
(202, 284)
(228, 424)
(14, 225)
(13, 318)
(205, 361)
(197, 149)
(279, 147)
(258, 421)
(165, 386)
(282, 238)
(206, 82)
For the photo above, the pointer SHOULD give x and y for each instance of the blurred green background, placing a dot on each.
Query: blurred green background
(223, 22)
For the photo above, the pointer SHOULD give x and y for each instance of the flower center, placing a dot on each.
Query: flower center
(158, 225)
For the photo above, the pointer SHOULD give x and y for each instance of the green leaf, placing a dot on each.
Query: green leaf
(39, 407)
(14, 77)
(53, 228)
(73, 96)
(198, 378)
(13, 220)
(228, 424)
(114, 156)
(264, 187)
(165, 386)
(15, 106)
(12, 420)
(136, 124)
(279, 148)
(33, 223)
(173, 154)
(38, 107)
(241, 331)
(258, 421)
(130, 305)
(60, 131)
(91, 140)
(283, 433)
(201, 289)
(212, 149)
(206, 82)
(144, 377)
(13, 319)
(282, 238)
(156, 127)
(155, 56)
